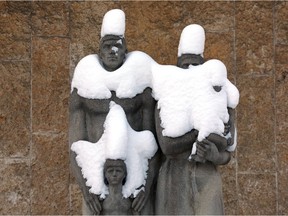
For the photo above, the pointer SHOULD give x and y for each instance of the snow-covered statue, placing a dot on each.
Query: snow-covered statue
(193, 106)
(122, 77)
(115, 167)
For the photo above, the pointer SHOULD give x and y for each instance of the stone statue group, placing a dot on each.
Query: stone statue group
(147, 138)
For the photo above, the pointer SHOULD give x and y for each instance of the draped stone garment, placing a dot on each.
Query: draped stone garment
(188, 188)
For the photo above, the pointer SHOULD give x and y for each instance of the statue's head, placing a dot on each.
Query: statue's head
(115, 172)
(191, 46)
(112, 44)
(112, 51)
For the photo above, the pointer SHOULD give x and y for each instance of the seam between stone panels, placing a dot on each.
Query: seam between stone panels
(69, 173)
(236, 79)
(31, 112)
(275, 108)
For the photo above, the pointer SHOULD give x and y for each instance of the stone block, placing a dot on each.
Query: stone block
(281, 88)
(281, 22)
(15, 187)
(257, 194)
(255, 121)
(283, 191)
(254, 37)
(76, 200)
(50, 174)
(50, 84)
(15, 30)
(15, 103)
(50, 18)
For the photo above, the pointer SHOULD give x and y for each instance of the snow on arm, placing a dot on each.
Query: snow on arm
(93, 82)
(119, 141)
(187, 100)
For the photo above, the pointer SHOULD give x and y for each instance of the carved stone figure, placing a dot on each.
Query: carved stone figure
(119, 76)
(115, 173)
(191, 187)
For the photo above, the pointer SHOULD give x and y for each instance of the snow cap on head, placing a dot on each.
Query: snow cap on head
(192, 40)
(113, 23)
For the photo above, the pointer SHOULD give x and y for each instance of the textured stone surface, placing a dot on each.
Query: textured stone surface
(281, 74)
(50, 84)
(256, 148)
(50, 18)
(283, 191)
(14, 187)
(254, 37)
(15, 30)
(50, 174)
(15, 109)
(281, 22)
(257, 194)
(76, 200)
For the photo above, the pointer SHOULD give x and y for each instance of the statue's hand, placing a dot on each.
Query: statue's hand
(139, 202)
(208, 150)
(92, 202)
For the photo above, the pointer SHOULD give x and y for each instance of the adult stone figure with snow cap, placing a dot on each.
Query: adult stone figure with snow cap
(119, 76)
(192, 186)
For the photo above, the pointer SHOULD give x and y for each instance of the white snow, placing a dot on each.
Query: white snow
(119, 141)
(187, 100)
(113, 23)
(192, 40)
(94, 82)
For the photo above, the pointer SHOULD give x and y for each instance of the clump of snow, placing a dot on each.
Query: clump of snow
(119, 141)
(113, 23)
(94, 82)
(187, 99)
(192, 40)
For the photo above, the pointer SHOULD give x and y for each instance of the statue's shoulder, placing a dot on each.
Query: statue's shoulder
(139, 57)
(89, 60)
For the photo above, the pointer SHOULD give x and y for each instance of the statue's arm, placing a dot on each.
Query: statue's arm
(171, 146)
(154, 163)
(232, 125)
(77, 131)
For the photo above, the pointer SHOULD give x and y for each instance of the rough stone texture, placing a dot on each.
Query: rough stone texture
(281, 22)
(14, 187)
(41, 42)
(76, 200)
(50, 174)
(50, 84)
(257, 194)
(50, 18)
(254, 37)
(281, 85)
(256, 148)
(15, 109)
(15, 30)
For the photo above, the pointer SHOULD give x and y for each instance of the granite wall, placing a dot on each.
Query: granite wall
(41, 42)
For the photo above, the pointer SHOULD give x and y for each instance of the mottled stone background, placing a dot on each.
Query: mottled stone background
(40, 44)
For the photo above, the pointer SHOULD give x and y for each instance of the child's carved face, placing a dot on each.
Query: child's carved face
(114, 171)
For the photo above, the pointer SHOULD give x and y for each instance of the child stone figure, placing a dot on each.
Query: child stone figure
(115, 173)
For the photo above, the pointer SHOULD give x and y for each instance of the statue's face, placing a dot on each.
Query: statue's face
(112, 52)
(115, 172)
(189, 59)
